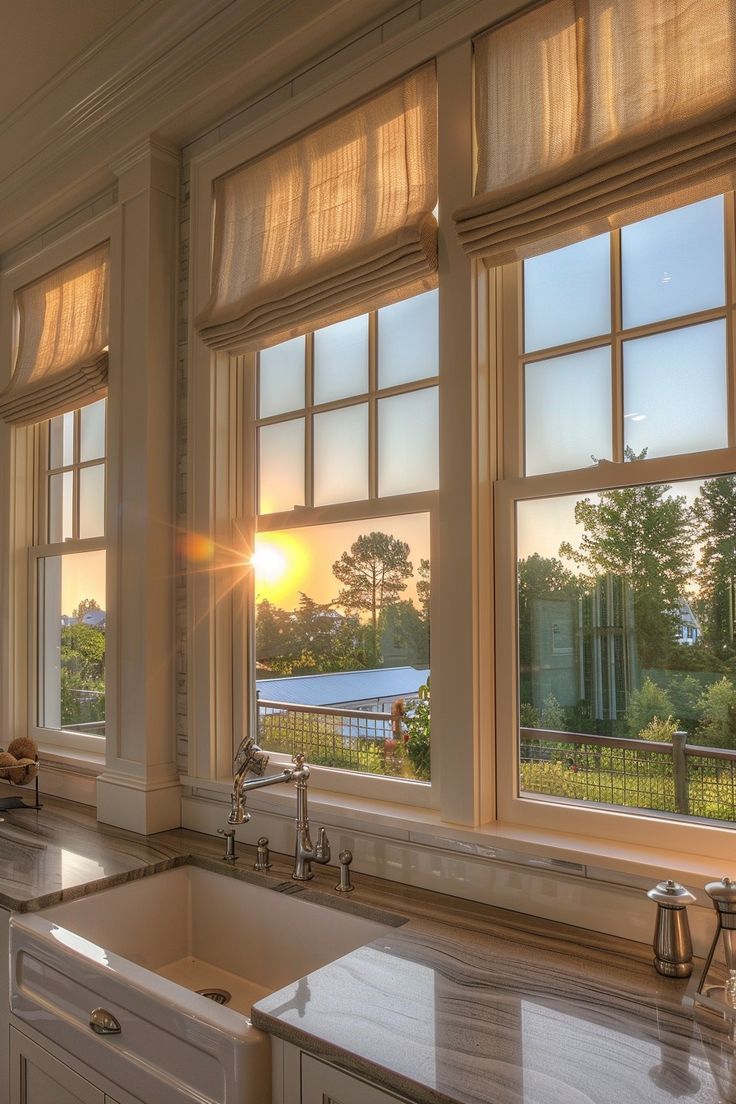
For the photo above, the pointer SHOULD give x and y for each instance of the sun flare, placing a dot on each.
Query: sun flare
(270, 564)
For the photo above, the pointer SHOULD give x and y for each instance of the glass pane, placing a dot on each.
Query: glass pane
(408, 340)
(281, 466)
(673, 264)
(567, 294)
(71, 642)
(61, 498)
(92, 501)
(568, 411)
(675, 391)
(327, 636)
(61, 441)
(408, 429)
(341, 455)
(92, 431)
(626, 632)
(281, 378)
(341, 360)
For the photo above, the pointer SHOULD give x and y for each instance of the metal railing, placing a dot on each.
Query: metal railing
(354, 739)
(674, 777)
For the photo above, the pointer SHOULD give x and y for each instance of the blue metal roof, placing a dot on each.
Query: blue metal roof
(342, 687)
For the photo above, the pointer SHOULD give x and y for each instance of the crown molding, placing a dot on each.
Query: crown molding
(168, 69)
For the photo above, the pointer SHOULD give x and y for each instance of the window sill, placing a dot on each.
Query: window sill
(603, 860)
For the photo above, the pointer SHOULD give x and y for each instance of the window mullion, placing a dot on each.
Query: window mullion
(729, 213)
(309, 422)
(372, 405)
(617, 366)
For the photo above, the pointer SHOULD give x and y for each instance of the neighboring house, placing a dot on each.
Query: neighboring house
(94, 618)
(371, 690)
(689, 629)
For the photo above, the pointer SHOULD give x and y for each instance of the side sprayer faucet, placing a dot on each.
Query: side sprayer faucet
(250, 759)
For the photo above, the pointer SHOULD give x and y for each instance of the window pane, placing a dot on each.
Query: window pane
(61, 440)
(281, 378)
(92, 501)
(568, 411)
(281, 466)
(408, 340)
(61, 498)
(92, 431)
(327, 637)
(675, 391)
(71, 642)
(408, 427)
(673, 264)
(341, 455)
(341, 360)
(567, 294)
(626, 632)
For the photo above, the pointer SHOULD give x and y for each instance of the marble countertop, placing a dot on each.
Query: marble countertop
(463, 1004)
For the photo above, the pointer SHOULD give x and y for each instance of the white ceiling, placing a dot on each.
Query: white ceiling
(40, 37)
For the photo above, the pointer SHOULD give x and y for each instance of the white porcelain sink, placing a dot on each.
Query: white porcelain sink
(142, 949)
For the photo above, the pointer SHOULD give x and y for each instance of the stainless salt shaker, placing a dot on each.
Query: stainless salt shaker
(673, 948)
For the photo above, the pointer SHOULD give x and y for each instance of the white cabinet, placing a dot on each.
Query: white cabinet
(324, 1084)
(36, 1077)
(300, 1078)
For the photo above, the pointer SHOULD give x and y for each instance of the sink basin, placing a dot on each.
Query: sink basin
(142, 950)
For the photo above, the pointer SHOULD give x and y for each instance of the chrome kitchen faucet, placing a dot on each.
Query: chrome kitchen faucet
(250, 759)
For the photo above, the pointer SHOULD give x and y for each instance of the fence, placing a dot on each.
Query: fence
(667, 777)
(353, 739)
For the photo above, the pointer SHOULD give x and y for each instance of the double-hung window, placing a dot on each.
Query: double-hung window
(346, 432)
(68, 568)
(55, 403)
(617, 538)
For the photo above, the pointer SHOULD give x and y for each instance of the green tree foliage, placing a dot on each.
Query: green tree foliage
(642, 536)
(646, 704)
(714, 513)
(402, 629)
(418, 742)
(86, 605)
(718, 712)
(312, 639)
(373, 573)
(82, 674)
(553, 715)
(423, 588)
(661, 730)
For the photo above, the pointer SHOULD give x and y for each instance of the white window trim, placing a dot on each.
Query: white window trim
(541, 813)
(19, 462)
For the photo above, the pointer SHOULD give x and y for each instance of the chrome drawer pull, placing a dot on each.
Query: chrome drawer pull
(104, 1023)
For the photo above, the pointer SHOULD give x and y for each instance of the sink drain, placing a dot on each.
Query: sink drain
(219, 996)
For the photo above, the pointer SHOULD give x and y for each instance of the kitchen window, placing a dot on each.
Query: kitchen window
(345, 431)
(68, 561)
(616, 548)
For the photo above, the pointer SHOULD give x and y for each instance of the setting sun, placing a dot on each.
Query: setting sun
(270, 563)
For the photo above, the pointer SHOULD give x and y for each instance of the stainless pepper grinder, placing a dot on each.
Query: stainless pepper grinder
(673, 948)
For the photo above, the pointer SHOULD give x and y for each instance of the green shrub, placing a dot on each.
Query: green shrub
(647, 703)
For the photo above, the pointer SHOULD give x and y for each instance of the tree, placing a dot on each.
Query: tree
(86, 605)
(402, 627)
(423, 588)
(373, 574)
(718, 712)
(647, 704)
(642, 536)
(714, 513)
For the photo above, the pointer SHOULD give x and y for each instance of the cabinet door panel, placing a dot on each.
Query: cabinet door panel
(323, 1084)
(36, 1077)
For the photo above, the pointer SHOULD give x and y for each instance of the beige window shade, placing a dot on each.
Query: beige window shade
(333, 224)
(61, 361)
(593, 113)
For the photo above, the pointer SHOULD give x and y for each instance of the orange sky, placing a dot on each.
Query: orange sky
(301, 559)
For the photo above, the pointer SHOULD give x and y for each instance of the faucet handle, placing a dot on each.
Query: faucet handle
(322, 850)
(263, 855)
(229, 838)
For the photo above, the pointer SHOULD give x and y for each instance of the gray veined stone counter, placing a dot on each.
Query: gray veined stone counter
(464, 1004)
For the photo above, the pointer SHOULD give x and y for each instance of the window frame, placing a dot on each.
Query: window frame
(19, 532)
(249, 522)
(539, 811)
(42, 547)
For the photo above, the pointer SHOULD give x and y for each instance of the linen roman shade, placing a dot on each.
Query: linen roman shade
(594, 113)
(61, 361)
(333, 224)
